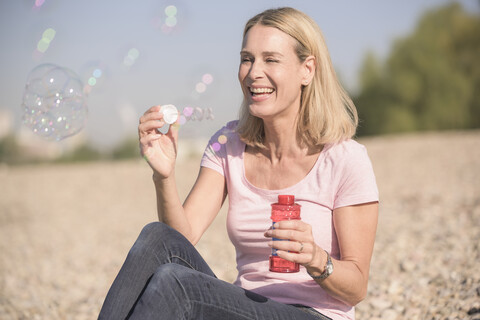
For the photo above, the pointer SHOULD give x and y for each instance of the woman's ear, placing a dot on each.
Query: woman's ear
(309, 66)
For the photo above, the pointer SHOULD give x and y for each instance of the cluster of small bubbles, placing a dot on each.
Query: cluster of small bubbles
(170, 21)
(93, 74)
(171, 16)
(201, 86)
(93, 79)
(222, 139)
(42, 46)
(195, 114)
(97, 73)
(54, 106)
(131, 57)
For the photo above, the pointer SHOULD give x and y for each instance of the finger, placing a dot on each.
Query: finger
(151, 114)
(149, 126)
(148, 139)
(154, 109)
(301, 247)
(173, 130)
(292, 224)
(287, 234)
(293, 246)
(301, 258)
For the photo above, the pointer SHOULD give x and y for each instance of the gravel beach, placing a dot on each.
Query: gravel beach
(65, 231)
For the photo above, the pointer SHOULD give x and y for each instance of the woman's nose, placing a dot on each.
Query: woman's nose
(255, 71)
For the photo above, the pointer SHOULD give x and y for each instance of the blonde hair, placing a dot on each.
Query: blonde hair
(326, 114)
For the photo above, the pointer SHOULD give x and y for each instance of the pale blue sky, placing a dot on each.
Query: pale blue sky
(98, 34)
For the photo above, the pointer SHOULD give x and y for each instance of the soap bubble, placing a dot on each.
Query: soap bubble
(197, 114)
(54, 104)
(43, 44)
(187, 111)
(94, 74)
(171, 11)
(38, 3)
(222, 139)
(216, 146)
(131, 57)
(170, 16)
(207, 78)
(202, 86)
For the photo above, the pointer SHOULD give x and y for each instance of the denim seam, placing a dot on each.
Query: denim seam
(180, 258)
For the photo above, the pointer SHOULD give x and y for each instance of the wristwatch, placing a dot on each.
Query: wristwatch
(328, 269)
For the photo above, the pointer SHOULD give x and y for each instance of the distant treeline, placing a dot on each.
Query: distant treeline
(430, 80)
(11, 153)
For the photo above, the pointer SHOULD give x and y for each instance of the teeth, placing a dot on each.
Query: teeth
(261, 90)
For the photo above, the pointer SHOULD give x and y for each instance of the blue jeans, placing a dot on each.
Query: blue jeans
(164, 277)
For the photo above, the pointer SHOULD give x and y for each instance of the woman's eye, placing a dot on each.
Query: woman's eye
(245, 59)
(272, 60)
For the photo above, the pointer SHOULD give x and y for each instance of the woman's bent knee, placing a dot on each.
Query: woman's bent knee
(154, 227)
(155, 232)
(150, 239)
(157, 238)
(173, 279)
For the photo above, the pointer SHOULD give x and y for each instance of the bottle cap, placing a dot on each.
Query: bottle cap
(286, 199)
(170, 113)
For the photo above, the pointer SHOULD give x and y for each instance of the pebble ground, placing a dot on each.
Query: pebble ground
(66, 229)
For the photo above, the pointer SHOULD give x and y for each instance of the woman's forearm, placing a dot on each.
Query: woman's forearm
(346, 283)
(169, 207)
(355, 227)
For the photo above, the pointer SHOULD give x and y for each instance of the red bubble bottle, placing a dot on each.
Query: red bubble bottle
(284, 209)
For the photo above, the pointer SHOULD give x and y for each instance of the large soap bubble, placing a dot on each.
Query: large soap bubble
(54, 104)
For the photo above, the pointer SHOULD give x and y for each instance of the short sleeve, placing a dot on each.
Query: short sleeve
(356, 181)
(215, 155)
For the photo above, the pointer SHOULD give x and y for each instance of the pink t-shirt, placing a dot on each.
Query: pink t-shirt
(341, 176)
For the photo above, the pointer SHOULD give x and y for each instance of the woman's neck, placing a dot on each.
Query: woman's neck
(281, 141)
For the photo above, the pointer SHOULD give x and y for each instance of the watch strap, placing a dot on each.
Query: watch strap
(328, 269)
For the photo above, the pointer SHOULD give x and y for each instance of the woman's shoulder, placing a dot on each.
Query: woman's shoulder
(348, 146)
(346, 150)
(232, 125)
(226, 139)
(228, 129)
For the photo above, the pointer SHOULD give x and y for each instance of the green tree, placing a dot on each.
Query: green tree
(428, 82)
(10, 152)
(82, 153)
(128, 149)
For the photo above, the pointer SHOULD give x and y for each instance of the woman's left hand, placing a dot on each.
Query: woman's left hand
(301, 248)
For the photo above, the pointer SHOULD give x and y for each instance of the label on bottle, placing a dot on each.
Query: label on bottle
(274, 251)
(282, 263)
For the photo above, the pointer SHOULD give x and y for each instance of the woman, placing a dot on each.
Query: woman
(293, 137)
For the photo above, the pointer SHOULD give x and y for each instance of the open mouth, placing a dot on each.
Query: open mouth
(261, 91)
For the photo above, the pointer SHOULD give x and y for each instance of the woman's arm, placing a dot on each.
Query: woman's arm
(200, 207)
(207, 195)
(355, 227)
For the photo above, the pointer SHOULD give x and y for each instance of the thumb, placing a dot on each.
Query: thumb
(172, 132)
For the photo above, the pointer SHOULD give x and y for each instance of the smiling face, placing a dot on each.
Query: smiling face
(271, 74)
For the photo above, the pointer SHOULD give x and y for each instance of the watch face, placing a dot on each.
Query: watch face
(329, 268)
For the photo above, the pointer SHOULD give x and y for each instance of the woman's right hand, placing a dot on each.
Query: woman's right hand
(160, 150)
